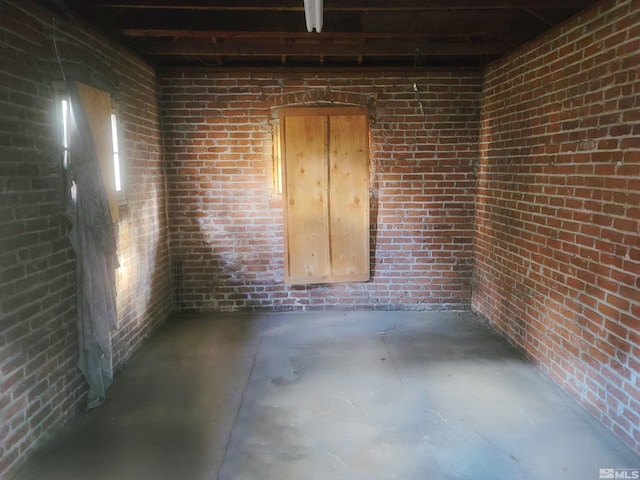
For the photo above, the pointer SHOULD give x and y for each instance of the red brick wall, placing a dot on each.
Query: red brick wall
(40, 385)
(226, 225)
(557, 249)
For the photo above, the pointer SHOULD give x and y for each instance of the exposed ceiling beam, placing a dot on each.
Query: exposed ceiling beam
(150, 33)
(358, 33)
(331, 5)
(546, 21)
(327, 50)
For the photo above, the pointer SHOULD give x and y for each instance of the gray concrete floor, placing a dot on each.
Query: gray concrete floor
(318, 396)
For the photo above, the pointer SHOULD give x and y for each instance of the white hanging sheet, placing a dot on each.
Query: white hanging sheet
(93, 239)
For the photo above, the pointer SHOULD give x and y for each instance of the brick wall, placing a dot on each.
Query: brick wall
(40, 385)
(227, 226)
(557, 249)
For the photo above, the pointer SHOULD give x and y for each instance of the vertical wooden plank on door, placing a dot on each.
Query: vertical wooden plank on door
(306, 210)
(349, 196)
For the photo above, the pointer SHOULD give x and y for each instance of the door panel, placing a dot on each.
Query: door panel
(306, 199)
(349, 199)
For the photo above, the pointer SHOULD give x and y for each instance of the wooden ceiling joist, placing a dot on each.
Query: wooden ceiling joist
(331, 5)
(182, 33)
(356, 33)
(327, 50)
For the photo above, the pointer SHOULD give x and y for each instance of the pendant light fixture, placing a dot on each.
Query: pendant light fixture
(313, 15)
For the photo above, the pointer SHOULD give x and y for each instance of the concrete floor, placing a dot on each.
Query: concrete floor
(318, 396)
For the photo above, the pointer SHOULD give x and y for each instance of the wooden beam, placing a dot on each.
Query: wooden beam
(214, 41)
(327, 50)
(547, 22)
(182, 33)
(407, 70)
(331, 5)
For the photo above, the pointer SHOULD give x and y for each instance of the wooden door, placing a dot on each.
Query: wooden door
(326, 195)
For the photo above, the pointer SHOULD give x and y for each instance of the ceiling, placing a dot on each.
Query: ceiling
(356, 33)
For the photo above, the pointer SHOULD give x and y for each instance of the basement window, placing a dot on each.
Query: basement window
(116, 153)
(102, 122)
(64, 127)
(64, 112)
(325, 165)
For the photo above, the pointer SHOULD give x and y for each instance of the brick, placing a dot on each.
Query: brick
(409, 180)
(591, 237)
(543, 209)
(33, 302)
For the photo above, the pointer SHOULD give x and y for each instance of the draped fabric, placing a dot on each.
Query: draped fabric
(94, 242)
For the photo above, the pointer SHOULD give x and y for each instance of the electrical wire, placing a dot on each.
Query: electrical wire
(55, 47)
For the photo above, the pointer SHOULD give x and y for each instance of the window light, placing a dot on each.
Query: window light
(116, 152)
(65, 133)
